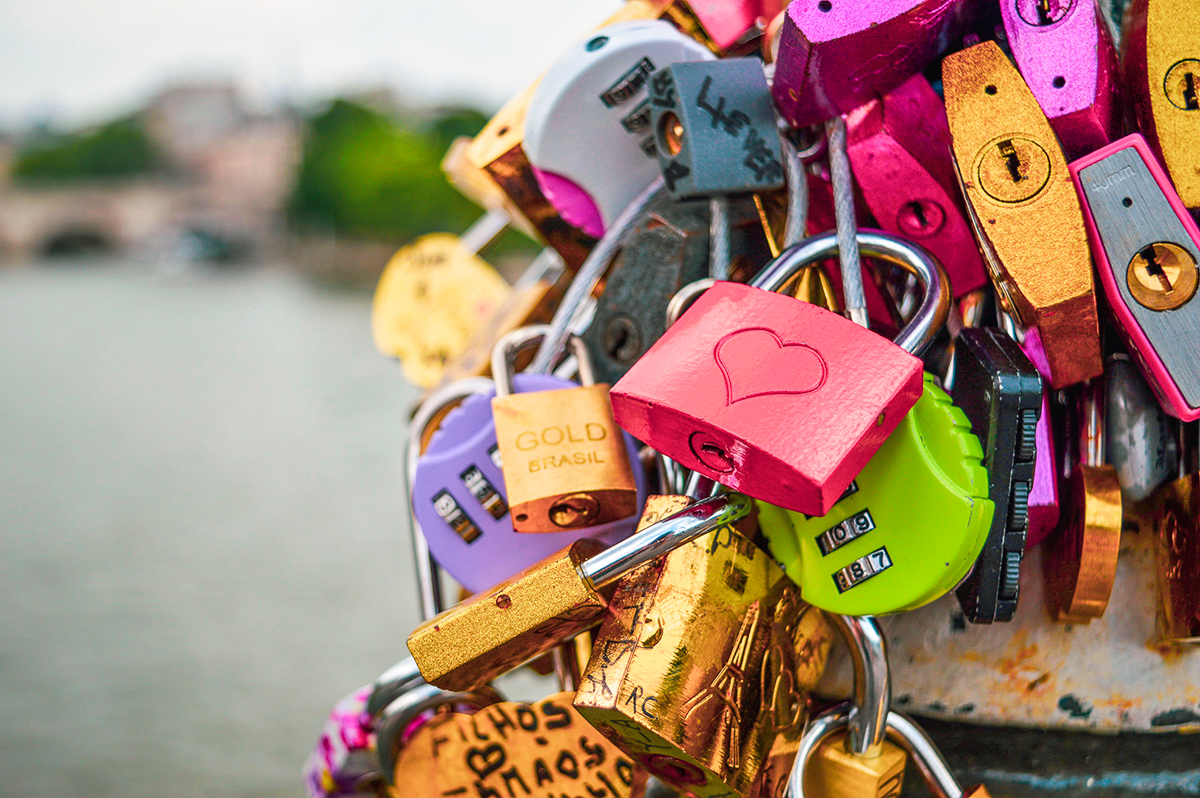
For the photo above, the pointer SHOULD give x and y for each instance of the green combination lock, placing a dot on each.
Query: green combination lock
(906, 531)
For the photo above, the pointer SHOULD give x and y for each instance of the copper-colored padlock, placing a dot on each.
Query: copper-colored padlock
(1175, 513)
(564, 457)
(1024, 208)
(701, 668)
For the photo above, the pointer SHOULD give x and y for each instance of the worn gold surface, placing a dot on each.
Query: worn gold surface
(1161, 49)
(833, 771)
(565, 461)
(1176, 509)
(1162, 276)
(532, 305)
(1031, 229)
(433, 296)
(1081, 561)
(475, 642)
(701, 668)
(513, 750)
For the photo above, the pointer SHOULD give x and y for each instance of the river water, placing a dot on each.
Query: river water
(201, 526)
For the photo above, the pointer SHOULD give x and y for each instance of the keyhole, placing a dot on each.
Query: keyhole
(574, 510)
(1162, 276)
(1012, 160)
(622, 341)
(1154, 268)
(1043, 12)
(1180, 85)
(1189, 92)
(920, 218)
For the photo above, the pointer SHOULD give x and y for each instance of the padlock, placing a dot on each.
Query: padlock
(1160, 66)
(343, 760)
(588, 133)
(1146, 246)
(551, 601)
(731, 22)
(1000, 392)
(871, 555)
(1080, 563)
(844, 751)
(711, 393)
(668, 250)
(719, 611)
(433, 295)
(532, 300)
(511, 748)
(835, 55)
(714, 128)
(460, 502)
(1140, 443)
(1065, 53)
(1176, 511)
(899, 146)
(566, 463)
(1016, 181)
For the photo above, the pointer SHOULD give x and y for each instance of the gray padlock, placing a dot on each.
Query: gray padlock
(1141, 443)
(714, 128)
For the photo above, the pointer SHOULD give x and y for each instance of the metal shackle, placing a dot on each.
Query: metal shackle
(432, 409)
(872, 681)
(512, 344)
(420, 697)
(919, 333)
(899, 728)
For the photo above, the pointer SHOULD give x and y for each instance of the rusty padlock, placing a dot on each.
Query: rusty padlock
(713, 392)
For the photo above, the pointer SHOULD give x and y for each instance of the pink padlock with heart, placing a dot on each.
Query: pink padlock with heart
(777, 398)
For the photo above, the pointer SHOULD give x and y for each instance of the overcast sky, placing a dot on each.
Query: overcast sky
(79, 61)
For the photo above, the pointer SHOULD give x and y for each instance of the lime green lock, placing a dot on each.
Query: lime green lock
(906, 531)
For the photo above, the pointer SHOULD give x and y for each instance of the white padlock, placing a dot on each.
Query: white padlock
(587, 129)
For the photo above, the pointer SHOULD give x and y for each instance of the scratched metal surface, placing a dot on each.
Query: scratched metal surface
(1107, 676)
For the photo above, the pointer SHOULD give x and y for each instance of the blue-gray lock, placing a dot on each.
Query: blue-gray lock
(714, 128)
(1141, 441)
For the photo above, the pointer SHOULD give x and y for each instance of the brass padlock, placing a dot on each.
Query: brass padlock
(564, 457)
(701, 668)
(1175, 510)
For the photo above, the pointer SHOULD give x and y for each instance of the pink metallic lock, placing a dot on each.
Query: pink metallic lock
(1065, 52)
(899, 147)
(727, 22)
(1043, 494)
(835, 55)
(774, 397)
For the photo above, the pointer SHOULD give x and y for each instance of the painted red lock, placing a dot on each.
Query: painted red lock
(777, 398)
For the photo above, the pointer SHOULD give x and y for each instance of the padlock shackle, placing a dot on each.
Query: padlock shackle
(522, 338)
(1092, 428)
(421, 697)
(872, 681)
(668, 534)
(392, 684)
(919, 333)
(900, 730)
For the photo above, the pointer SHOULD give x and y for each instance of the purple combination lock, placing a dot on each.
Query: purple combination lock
(1066, 55)
(835, 55)
(459, 500)
(1043, 494)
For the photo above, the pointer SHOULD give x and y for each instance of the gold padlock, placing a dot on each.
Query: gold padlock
(1174, 511)
(565, 460)
(701, 668)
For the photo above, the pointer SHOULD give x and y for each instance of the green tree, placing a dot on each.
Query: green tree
(119, 149)
(362, 174)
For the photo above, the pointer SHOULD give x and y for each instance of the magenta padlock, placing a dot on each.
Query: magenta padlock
(1043, 493)
(730, 22)
(1066, 54)
(458, 497)
(899, 147)
(774, 397)
(835, 55)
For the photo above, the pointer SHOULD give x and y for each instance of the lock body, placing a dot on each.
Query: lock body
(1177, 560)
(1080, 565)
(871, 554)
(566, 464)
(433, 296)
(712, 393)
(587, 129)
(1000, 392)
(512, 748)
(1016, 181)
(899, 147)
(714, 128)
(1161, 65)
(1141, 445)
(835, 771)
(344, 753)
(1066, 55)
(462, 503)
(702, 666)
(836, 55)
(1146, 247)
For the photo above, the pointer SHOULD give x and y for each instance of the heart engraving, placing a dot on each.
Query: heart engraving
(756, 362)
